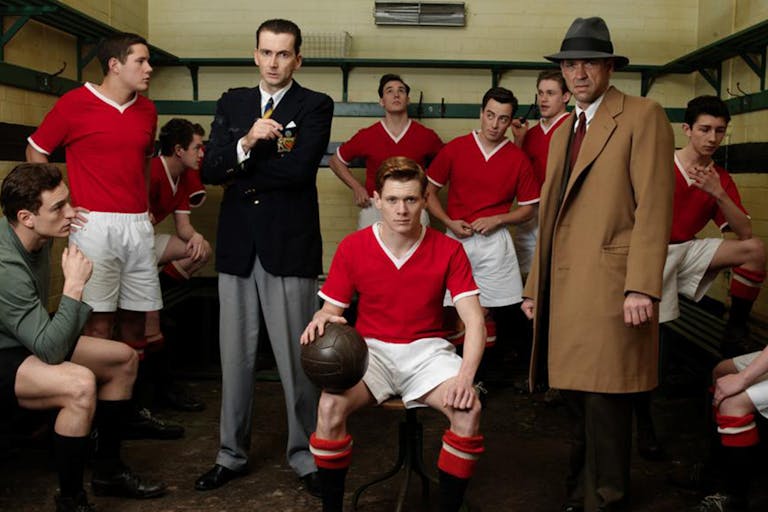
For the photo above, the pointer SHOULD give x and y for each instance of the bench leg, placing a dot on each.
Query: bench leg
(409, 459)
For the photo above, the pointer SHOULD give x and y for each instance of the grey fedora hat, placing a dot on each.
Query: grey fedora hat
(588, 38)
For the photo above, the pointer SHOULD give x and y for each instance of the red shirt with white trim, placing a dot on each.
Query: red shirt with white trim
(536, 146)
(483, 185)
(194, 186)
(376, 144)
(165, 195)
(399, 300)
(106, 146)
(693, 207)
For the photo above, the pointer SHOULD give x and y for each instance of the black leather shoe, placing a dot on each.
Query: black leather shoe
(126, 484)
(145, 425)
(77, 503)
(179, 400)
(311, 482)
(216, 477)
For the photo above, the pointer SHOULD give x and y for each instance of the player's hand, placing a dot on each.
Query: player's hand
(79, 220)
(460, 228)
(262, 129)
(152, 219)
(707, 179)
(195, 248)
(75, 266)
(361, 197)
(519, 129)
(460, 393)
(486, 225)
(316, 327)
(638, 309)
(729, 385)
(528, 306)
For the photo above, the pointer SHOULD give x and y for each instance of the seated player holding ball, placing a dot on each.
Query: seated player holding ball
(400, 271)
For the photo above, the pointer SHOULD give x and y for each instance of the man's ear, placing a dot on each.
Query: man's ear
(177, 150)
(376, 199)
(26, 218)
(686, 129)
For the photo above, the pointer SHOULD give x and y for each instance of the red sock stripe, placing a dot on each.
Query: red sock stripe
(756, 277)
(331, 453)
(173, 272)
(743, 290)
(459, 455)
(737, 431)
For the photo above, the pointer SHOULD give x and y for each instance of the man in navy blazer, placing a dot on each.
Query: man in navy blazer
(265, 147)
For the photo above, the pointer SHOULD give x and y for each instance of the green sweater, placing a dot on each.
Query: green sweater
(24, 286)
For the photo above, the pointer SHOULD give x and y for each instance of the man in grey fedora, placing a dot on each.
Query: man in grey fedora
(595, 284)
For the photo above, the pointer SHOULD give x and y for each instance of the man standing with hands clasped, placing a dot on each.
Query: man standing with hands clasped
(605, 215)
(265, 147)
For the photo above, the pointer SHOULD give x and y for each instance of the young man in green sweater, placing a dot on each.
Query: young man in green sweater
(44, 361)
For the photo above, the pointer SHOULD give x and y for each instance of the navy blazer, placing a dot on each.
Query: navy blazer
(269, 206)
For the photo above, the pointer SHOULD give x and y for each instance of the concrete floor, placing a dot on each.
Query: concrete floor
(522, 470)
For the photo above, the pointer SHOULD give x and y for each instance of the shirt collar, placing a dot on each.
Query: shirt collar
(590, 110)
(276, 97)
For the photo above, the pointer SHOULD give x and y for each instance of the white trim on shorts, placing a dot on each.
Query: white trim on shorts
(410, 370)
(758, 391)
(494, 267)
(686, 272)
(525, 237)
(121, 247)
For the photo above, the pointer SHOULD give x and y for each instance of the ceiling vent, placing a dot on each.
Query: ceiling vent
(420, 13)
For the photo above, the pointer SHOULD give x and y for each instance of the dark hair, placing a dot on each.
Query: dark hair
(198, 129)
(280, 26)
(391, 77)
(553, 74)
(117, 46)
(501, 95)
(706, 105)
(22, 188)
(176, 131)
(400, 168)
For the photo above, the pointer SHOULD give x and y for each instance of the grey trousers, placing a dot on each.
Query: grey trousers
(287, 304)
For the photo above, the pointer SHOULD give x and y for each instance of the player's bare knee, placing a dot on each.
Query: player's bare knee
(129, 364)
(467, 422)
(80, 388)
(737, 405)
(756, 251)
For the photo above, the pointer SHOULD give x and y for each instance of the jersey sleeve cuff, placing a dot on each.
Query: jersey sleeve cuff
(332, 301)
(460, 296)
(37, 148)
(186, 212)
(338, 155)
(435, 182)
(532, 201)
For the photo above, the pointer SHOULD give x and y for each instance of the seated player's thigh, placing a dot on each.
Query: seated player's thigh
(176, 249)
(47, 386)
(104, 357)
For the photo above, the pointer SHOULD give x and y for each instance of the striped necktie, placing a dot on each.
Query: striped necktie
(268, 108)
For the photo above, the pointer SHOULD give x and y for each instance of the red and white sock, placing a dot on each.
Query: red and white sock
(737, 431)
(746, 284)
(331, 453)
(459, 454)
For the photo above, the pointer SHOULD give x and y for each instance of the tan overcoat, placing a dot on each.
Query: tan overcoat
(609, 238)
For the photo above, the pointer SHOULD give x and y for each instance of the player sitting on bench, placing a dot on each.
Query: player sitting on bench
(400, 271)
